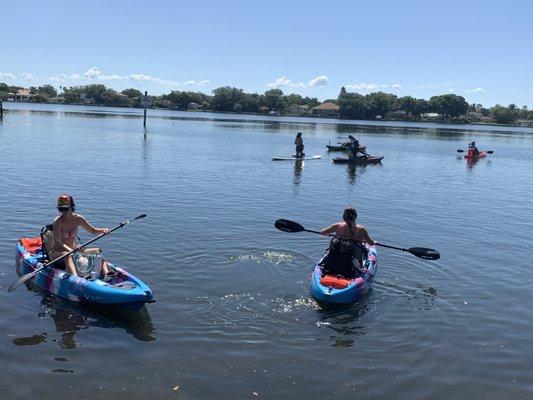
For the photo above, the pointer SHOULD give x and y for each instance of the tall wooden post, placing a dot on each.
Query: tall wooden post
(1, 111)
(145, 104)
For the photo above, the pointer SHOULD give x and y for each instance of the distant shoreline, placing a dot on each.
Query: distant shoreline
(528, 124)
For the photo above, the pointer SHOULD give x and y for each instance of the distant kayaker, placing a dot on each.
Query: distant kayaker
(349, 229)
(65, 230)
(299, 142)
(472, 149)
(355, 148)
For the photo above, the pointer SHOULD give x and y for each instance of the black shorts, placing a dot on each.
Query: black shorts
(59, 264)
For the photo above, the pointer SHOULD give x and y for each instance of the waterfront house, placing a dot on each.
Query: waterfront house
(296, 109)
(20, 95)
(194, 106)
(431, 116)
(327, 109)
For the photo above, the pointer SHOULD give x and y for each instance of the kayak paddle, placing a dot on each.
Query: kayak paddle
(29, 275)
(488, 151)
(420, 252)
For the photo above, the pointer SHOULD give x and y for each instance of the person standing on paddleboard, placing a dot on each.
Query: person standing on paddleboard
(65, 230)
(299, 142)
(349, 229)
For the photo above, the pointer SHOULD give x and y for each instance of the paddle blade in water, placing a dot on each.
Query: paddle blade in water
(426, 254)
(288, 226)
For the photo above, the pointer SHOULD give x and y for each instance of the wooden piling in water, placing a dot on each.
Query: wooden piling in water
(146, 99)
(1, 111)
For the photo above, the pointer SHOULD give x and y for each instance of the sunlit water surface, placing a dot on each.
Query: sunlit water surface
(233, 317)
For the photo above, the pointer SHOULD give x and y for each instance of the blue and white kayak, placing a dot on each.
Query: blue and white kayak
(339, 290)
(123, 290)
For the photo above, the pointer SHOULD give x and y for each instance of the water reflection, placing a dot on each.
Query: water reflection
(344, 321)
(70, 318)
(298, 168)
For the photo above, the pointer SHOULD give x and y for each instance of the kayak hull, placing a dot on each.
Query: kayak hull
(356, 288)
(125, 290)
(359, 161)
(317, 157)
(342, 148)
(337, 148)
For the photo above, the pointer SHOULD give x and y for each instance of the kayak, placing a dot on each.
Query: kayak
(293, 158)
(123, 290)
(358, 161)
(337, 148)
(335, 289)
(474, 157)
(342, 148)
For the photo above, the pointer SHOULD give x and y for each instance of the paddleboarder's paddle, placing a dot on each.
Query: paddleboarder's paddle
(488, 151)
(420, 252)
(29, 275)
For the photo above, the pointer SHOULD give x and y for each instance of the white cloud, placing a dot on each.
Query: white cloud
(476, 90)
(26, 76)
(285, 82)
(321, 80)
(113, 77)
(92, 73)
(363, 86)
(197, 83)
(396, 86)
(7, 75)
(452, 90)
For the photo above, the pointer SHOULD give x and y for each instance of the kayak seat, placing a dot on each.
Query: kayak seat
(47, 239)
(33, 245)
(334, 281)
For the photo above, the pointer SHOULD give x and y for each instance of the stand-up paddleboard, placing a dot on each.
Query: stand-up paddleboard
(317, 157)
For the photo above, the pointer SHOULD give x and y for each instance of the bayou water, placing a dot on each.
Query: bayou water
(233, 317)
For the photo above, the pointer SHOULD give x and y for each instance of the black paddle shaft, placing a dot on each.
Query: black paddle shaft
(420, 252)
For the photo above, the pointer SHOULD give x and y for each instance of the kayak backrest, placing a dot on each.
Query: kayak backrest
(339, 258)
(47, 239)
(33, 245)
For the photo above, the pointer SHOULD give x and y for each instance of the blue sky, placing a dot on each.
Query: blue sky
(481, 50)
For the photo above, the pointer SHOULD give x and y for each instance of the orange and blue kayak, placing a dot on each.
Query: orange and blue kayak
(334, 289)
(123, 290)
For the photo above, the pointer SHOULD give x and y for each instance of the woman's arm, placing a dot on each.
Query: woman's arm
(329, 229)
(366, 237)
(89, 228)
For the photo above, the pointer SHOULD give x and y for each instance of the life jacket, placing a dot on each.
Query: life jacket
(339, 259)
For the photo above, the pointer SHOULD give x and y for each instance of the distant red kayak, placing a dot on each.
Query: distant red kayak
(473, 157)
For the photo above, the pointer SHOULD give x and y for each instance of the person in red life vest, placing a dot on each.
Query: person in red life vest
(472, 149)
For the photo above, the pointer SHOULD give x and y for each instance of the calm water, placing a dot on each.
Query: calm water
(233, 317)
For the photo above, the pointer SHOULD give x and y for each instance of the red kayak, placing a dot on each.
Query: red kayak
(471, 156)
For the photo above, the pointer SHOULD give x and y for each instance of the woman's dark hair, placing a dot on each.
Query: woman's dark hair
(349, 216)
(299, 134)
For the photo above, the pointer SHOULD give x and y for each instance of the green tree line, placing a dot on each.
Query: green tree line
(231, 99)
